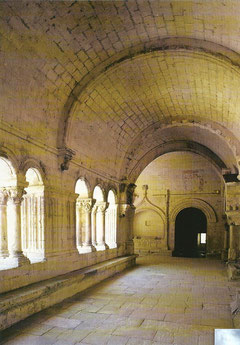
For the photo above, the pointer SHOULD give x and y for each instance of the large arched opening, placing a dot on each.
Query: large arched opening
(171, 183)
(32, 213)
(81, 188)
(190, 233)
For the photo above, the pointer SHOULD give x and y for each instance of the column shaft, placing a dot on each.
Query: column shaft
(93, 226)
(78, 226)
(3, 226)
(14, 226)
(101, 245)
(88, 236)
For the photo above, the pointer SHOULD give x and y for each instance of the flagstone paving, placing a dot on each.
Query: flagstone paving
(161, 301)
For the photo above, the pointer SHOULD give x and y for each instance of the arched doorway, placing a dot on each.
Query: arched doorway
(190, 233)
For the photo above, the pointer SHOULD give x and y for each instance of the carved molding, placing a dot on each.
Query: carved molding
(194, 202)
(86, 204)
(102, 206)
(3, 197)
(15, 194)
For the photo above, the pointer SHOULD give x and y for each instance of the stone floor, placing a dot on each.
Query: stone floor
(164, 300)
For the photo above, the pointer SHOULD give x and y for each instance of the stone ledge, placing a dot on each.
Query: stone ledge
(23, 302)
(14, 278)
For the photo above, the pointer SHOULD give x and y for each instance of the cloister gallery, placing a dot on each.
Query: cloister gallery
(119, 142)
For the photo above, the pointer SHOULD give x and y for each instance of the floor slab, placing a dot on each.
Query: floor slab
(163, 300)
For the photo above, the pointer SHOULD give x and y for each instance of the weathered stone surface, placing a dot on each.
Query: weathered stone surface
(189, 308)
(19, 304)
(95, 91)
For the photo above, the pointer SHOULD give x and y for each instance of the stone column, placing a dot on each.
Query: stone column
(78, 225)
(87, 205)
(114, 225)
(93, 225)
(233, 242)
(14, 226)
(101, 245)
(130, 216)
(111, 225)
(3, 224)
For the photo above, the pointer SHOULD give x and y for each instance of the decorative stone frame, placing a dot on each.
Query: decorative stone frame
(206, 208)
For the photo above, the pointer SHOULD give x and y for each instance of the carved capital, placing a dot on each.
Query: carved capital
(65, 155)
(15, 195)
(3, 197)
(86, 204)
(102, 206)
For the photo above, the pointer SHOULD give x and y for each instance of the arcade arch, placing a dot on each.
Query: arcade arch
(33, 217)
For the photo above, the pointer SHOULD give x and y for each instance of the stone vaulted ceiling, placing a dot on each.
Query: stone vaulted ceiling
(120, 82)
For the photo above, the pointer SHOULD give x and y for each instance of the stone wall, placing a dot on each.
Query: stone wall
(59, 203)
(169, 184)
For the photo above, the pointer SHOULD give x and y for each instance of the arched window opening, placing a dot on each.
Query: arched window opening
(81, 222)
(7, 174)
(32, 212)
(81, 189)
(10, 220)
(98, 219)
(98, 194)
(111, 221)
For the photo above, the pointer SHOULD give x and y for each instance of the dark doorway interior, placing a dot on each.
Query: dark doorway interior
(190, 233)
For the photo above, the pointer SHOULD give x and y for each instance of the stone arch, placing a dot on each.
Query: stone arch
(205, 207)
(197, 203)
(97, 188)
(86, 185)
(11, 156)
(33, 213)
(223, 158)
(180, 145)
(32, 163)
(213, 49)
(8, 176)
(114, 190)
(82, 192)
(111, 219)
(111, 190)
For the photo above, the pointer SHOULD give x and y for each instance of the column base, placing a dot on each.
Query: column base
(36, 258)
(102, 246)
(19, 259)
(87, 249)
(113, 245)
